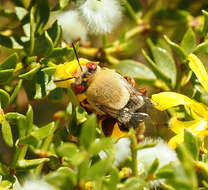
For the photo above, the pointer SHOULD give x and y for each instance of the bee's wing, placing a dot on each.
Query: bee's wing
(156, 119)
(125, 117)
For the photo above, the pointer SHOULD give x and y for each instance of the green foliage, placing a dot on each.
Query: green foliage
(69, 150)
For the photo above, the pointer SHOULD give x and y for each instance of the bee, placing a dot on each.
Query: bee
(109, 93)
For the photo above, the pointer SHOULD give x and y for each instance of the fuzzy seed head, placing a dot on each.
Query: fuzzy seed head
(101, 16)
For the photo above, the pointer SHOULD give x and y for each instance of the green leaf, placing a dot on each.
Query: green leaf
(29, 119)
(72, 97)
(165, 62)
(133, 183)
(34, 137)
(79, 158)
(16, 90)
(177, 49)
(67, 150)
(13, 117)
(134, 69)
(10, 62)
(99, 169)
(114, 179)
(191, 144)
(88, 131)
(81, 114)
(41, 15)
(60, 52)
(165, 172)
(21, 123)
(172, 14)
(6, 75)
(6, 41)
(4, 98)
(32, 31)
(73, 128)
(205, 27)
(154, 166)
(202, 47)
(55, 33)
(30, 74)
(49, 70)
(157, 72)
(44, 85)
(4, 170)
(43, 45)
(188, 42)
(186, 160)
(63, 178)
(56, 94)
(7, 133)
(31, 163)
(100, 145)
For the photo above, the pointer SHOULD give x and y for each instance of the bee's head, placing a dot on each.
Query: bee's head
(77, 72)
(83, 76)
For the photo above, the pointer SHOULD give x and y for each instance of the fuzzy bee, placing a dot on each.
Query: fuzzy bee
(108, 93)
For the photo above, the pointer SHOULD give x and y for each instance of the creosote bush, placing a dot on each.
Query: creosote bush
(51, 140)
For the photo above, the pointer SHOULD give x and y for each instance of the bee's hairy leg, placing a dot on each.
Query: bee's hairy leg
(130, 80)
(142, 90)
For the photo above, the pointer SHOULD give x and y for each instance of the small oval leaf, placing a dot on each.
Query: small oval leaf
(188, 42)
(6, 75)
(7, 133)
(165, 62)
(10, 62)
(134, 69)
(4, 98)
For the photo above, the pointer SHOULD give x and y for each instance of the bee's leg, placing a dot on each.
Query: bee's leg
(142, 90)
(130, 80)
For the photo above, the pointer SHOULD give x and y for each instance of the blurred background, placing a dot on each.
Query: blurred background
(159, 17)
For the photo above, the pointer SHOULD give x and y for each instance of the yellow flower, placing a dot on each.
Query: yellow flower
(199, 111)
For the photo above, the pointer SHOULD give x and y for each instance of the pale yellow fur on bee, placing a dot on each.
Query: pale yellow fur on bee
(107, 89)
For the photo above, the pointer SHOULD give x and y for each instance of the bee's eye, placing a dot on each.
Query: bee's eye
(91, 66)
(80, 87)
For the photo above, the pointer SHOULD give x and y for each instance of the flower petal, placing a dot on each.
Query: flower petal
(117, 133)
(198, 128)
(175, 140)
(165, 100)
(179, 126)
(198, 68)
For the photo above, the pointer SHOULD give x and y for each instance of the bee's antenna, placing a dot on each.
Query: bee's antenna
(75, 52)
(60, 80)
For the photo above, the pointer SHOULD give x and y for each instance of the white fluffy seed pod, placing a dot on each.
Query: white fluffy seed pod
(72, 25)
(101, 16)
(146, 156)
(35, 185)
(161, 151)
